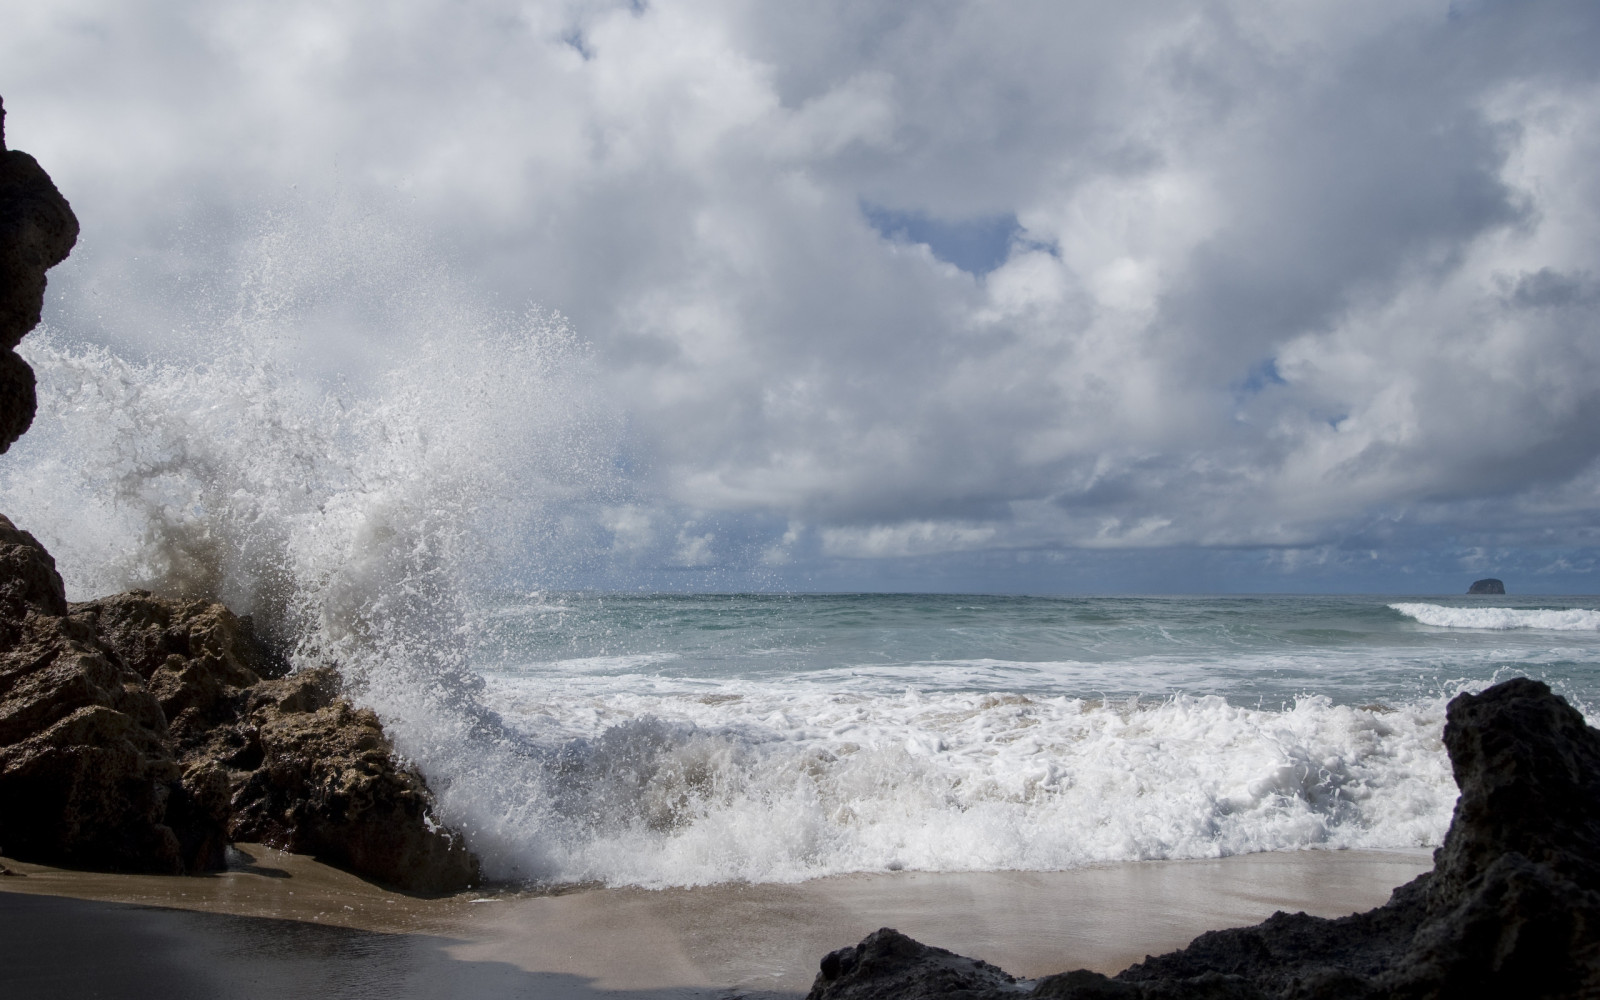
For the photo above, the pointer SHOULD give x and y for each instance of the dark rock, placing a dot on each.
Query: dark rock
(197, 657)
(303, 770)
(1511, 908)
(138, 733)
(888, 964)
(37, 231)
(315, 776)
(86, 775)
(1488, 586)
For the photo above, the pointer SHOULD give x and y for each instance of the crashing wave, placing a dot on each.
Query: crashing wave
(1553, 620)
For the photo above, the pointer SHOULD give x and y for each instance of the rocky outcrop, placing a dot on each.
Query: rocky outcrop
(140, 733)
(313, 775)
(87, 776)
(37, 231)
(1487, 586)
(1511, 908)
(888, 964)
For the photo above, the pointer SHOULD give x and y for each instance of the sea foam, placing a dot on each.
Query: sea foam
(666, 782)
(1554, 620)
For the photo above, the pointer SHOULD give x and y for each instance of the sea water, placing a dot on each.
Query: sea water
(764, 737)
(681, 740)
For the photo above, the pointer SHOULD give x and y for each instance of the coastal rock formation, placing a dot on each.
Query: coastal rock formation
(888, 964)
(1487, 586)
(140, 733)
(313, 775)
(1511, 908)
(143, 734)
(86, 773)
(37, 231)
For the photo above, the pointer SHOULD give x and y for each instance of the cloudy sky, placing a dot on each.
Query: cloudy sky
(956, 294)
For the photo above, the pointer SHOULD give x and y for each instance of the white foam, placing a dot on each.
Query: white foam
(1553, 620)
(623, 663)
(672, 782)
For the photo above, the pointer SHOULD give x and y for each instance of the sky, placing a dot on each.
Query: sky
(952, 295)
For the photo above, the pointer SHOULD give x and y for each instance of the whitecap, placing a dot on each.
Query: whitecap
(1549, 619)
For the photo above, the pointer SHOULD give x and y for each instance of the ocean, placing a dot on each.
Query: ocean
(697, 739)
(682, 740)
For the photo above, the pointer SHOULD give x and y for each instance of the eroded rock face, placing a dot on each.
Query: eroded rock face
(86, 773)
(37, 231)
(140, 733)
(313, 775)
(1512, 907)
(196, 657)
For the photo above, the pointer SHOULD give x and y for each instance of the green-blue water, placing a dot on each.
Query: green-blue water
(702, 738)
(1266, 649)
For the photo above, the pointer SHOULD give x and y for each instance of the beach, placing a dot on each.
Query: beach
(284, 926)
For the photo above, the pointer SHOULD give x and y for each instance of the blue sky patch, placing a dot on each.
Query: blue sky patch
(977, 245)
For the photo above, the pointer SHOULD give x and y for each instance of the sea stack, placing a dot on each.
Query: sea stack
(37, 231)
(1487, 586)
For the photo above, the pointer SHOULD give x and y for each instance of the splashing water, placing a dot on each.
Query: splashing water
(350, 517)
(361, 520)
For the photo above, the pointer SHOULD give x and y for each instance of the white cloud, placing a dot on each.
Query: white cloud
(694, 550)
(631, 528)
(1282, 273)
(918, 538)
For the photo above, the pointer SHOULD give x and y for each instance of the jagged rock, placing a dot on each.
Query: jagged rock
(197, 657)
(19, 398)
(1487, 586)
(1511, 908)
(37, 231)
(137, 732)
(86, 775)
(313, 775)
(305, 771)
(888, 964)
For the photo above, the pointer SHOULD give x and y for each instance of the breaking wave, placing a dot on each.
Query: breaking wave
(1554, 620)
(662, 783)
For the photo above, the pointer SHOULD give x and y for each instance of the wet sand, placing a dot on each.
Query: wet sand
(280, 925)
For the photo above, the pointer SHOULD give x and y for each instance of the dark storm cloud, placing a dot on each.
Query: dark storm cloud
(945, 280)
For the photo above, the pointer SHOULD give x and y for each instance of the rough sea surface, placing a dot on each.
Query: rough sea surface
(697, 739)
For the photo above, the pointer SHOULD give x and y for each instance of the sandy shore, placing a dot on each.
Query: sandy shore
(280, 925)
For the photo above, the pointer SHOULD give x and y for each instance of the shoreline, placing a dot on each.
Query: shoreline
(750, 938)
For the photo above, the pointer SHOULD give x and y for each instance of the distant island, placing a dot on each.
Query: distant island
(1487, 586)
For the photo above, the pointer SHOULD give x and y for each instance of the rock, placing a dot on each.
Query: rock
(313, 775)
(197, 657)
(888, 964)
(37, 231)
(86, 775)
(1511, 908)
(1487, 586)
(141, 733)
(304, 770)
